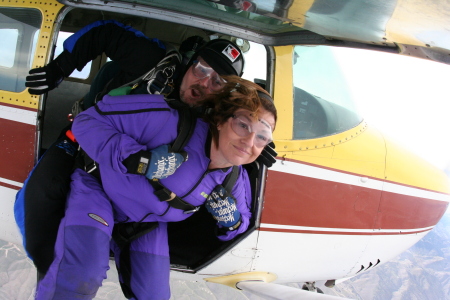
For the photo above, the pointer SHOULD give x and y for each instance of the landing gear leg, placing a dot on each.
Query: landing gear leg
(311, 286)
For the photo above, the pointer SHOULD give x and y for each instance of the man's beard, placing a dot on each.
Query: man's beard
(200, 93)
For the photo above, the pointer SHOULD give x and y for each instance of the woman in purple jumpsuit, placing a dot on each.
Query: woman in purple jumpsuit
(234, 133)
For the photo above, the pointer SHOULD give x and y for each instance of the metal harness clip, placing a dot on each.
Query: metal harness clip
(91, 167)
(192, 211)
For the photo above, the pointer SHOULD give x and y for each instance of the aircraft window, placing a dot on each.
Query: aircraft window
(83, 74)
(19, 28)
(8, 50)
(252, 17)
(255, 68)
(323, 102)
(33, 48)
(255, 59)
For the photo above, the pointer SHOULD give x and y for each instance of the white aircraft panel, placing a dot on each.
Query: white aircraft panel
(8, 228)
(237, 260)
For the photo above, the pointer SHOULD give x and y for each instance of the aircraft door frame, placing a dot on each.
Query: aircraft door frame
(19, 111)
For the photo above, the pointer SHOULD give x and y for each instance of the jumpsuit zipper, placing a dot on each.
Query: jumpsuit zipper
(196, 185)
(198, 182)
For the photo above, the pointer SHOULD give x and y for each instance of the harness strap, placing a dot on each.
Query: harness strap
(231, 178)
(164, 194)
(160, 79)
(89, 165)
(123, 234)
(186, 123)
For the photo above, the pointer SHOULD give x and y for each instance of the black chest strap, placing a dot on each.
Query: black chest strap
(186, 123)
(164, 194)
(160, 79)
(230, 180)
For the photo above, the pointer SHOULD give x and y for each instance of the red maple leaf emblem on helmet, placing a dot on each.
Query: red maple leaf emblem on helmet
(231, 52)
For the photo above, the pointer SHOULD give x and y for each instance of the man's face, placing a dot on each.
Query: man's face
(199, 81)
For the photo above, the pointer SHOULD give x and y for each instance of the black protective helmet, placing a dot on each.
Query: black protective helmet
(223, 56)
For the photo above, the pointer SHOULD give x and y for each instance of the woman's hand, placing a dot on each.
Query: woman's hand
(222, 206)
(158, 163)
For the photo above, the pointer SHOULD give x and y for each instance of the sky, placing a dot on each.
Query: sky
(406, 98)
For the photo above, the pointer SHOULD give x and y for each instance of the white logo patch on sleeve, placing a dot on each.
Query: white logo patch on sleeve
(98, 219)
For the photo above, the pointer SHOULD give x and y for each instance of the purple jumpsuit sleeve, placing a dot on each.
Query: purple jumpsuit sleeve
(111, 148)
(101, 137)
(242, 194)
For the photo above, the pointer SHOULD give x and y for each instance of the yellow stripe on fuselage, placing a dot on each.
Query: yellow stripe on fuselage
(49, 11)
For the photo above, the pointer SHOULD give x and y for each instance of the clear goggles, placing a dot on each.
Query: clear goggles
(201, 70)
(244, 125)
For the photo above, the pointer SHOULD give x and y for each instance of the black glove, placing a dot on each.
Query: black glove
(44, 79)
(267, 156)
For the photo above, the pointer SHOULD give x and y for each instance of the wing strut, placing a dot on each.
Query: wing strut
(258, 283)
(275, 291)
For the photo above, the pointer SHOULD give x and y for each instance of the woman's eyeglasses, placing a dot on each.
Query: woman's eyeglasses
(243, 125)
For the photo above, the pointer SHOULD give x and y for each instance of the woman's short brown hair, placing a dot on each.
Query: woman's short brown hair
(237, 93)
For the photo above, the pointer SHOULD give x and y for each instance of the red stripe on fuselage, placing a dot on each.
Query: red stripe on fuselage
(10, 186)
(17, 151)
(403, 211)
(309, 202)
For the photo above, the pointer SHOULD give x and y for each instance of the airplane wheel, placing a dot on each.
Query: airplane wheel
(318, 290)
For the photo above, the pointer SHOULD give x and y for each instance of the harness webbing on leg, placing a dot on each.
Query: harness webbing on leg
(123, 235)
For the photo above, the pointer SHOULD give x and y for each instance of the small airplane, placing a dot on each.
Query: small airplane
(341, 200)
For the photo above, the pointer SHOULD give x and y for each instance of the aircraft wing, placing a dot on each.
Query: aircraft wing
(413, 28)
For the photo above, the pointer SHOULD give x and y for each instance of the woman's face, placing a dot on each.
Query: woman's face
(242, 138)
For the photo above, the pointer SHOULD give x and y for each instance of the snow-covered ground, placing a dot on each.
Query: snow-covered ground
(422, 272)
(18, 280)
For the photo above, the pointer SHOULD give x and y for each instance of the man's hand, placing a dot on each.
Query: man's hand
(163, 162)
(267, 156)
(42, 80)
(222, 206)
